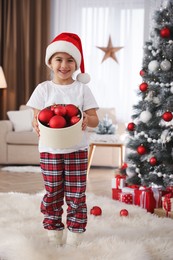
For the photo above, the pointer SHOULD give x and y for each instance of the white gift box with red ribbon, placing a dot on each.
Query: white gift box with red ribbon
(119, 182)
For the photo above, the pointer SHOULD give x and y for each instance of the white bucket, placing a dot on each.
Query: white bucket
(61, 138)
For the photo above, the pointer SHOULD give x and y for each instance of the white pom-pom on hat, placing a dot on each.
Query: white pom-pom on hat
(83, 77)
(71, 44)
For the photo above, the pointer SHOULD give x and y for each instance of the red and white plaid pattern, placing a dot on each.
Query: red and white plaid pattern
(64, 176)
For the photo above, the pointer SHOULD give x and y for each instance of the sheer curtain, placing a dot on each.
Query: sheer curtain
(113, 84)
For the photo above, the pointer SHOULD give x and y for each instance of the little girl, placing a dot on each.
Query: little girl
(64, 170)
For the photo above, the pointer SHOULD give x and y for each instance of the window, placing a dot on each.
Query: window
(113, 83)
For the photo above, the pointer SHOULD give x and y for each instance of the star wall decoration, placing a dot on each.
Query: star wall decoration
(110, 51)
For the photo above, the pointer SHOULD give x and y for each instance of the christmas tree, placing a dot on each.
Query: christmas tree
(106, 126)
(149, 142)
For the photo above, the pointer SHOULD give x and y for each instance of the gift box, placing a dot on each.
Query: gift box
(119, 181)
(148, 198)
(169, 189)
(164, 192)
(162, 213)
(128, 190)
(133, 186)
(167, 202)
(115, 193)
(126, 198)
(170, 214)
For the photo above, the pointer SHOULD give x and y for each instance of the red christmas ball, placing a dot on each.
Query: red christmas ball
(60, 110)
(143, 87)
(124, 213)
(45, 115)
(57, 122)
(165, 32)
(96, 211)
(124, 166)
(74, 120)
(131, 126)
(141, 150)
(142, 73)
(153, 161)
(167, 116)
(71, 110)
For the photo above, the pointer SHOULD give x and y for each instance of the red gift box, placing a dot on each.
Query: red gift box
(167, 202)
(126, 198)
(133, 186)
(130, 189)
(169, 189)
(164, 192)
(115, 193)
(148, 198)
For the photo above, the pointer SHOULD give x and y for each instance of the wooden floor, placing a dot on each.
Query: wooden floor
(99, 181)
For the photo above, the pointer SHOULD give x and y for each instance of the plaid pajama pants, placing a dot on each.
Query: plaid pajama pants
(64, 176)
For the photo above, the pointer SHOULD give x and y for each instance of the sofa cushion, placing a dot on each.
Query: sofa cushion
(21, 120)
(22, 138)
(24, 107)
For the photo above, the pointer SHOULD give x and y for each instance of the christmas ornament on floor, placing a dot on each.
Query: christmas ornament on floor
(124, 213)
(150, 140)
(96, 211)
(106, 126)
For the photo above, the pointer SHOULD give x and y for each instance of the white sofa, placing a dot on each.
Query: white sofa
(19, 143)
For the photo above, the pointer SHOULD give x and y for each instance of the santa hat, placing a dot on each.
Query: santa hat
(71, 44)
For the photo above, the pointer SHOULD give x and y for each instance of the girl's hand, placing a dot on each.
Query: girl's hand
(90, 119)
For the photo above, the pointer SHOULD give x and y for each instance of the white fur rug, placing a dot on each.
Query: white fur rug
(140, 236)
(21, 169)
